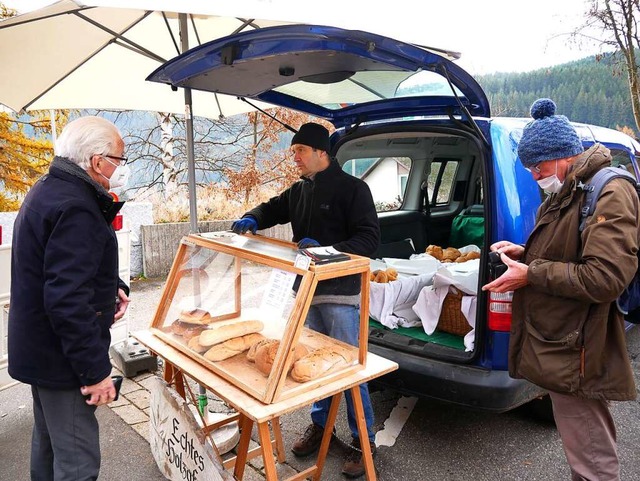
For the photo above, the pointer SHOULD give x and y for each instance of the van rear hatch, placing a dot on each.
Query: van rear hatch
(344, 76)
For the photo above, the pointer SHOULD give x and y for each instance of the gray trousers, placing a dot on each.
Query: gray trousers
(65, 445)
(588, 437)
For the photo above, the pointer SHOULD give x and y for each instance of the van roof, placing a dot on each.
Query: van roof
(588, 133)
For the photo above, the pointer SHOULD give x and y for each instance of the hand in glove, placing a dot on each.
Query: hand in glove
(307, 242)
(245, 224)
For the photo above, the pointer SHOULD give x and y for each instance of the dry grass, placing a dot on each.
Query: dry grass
(211, 201)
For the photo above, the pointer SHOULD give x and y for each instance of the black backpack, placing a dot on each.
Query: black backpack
(629, 301)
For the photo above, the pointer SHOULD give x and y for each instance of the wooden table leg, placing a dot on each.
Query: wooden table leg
(363, 434)
(277, 434)
(173, 375)
(267, 452)
(246, 425)
(328, 433)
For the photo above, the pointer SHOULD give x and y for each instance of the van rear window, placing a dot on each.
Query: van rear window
(386, 176)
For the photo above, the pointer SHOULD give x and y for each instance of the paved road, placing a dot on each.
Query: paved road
(442, 442)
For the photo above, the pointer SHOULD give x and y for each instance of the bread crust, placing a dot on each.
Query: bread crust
(196, 316)
(265, 354)
(232, 347)
(319, 363)
(185, 329)
(210, 337)
(194, 345)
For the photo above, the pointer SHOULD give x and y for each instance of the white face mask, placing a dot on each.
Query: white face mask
(551, 184)
(120, 176)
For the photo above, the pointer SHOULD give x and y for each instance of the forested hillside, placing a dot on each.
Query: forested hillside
(586, 90)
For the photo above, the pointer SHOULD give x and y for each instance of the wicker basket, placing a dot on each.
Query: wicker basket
(451, 318)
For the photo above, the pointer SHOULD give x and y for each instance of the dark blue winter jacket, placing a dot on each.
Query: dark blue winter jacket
(64, 281)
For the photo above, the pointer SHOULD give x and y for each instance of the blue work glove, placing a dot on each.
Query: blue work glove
(245, 224)
(306, 243)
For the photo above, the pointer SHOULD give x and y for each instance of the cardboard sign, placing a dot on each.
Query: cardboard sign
(180, 448)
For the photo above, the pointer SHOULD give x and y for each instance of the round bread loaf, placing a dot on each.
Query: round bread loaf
(186, 329)
(266, 354)
(392, 274)
(435, 251)
(319, 363)
(251, 353)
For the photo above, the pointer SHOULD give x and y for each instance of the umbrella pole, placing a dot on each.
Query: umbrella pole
(191, 170)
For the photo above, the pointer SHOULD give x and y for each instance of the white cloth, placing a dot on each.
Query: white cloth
(463, 276)
(391, 303)
(419, 264)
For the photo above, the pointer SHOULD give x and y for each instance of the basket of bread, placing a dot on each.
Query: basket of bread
(452, 319)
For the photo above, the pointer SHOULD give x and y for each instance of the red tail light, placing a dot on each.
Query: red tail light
(499, 315)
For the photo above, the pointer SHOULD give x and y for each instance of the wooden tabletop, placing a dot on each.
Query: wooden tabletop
(376, 366)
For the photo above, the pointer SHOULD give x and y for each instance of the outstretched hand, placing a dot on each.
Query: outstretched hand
(514, 278)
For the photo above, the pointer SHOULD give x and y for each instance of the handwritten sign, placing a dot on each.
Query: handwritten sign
(179, 446)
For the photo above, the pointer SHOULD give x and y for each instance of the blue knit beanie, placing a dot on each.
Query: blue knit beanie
(547, 136)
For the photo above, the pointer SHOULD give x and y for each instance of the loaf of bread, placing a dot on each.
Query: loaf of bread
(186, 329)
(194, 345)
(196, 316)
(210, 337)
(435, 251)
(383, 276)
(231, 347)
(319, 363)
(392, 274)
(450, 254)
(251, 353)
(266, 353)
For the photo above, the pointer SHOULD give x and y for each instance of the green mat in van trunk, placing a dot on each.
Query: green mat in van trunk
(441, 338)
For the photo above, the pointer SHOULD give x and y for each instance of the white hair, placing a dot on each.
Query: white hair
(86, 137)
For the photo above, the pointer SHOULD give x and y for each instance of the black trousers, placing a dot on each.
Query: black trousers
(65, 445)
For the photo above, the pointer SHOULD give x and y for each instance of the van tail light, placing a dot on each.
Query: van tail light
(499, 318)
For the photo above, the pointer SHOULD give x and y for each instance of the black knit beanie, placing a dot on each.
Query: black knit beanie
(313, 135)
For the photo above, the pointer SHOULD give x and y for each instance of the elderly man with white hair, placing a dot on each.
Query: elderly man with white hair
(65, 295)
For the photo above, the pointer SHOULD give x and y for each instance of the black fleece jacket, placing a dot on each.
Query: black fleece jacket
(335, 208)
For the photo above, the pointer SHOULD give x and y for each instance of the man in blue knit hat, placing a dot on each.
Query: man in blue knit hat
(326, 207)
(567, 334)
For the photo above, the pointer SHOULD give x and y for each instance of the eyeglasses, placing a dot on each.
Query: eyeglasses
(534, 168)
(123, 160)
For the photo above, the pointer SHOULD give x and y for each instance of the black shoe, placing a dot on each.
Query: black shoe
(309, 442)
(353, 466)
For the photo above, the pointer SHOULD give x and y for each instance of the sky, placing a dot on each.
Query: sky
(491, 35)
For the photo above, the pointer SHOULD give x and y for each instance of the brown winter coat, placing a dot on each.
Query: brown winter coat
(567, 334)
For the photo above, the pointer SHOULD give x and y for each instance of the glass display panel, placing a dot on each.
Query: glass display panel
(243, 317)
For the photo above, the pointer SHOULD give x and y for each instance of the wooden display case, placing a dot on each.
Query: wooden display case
(220, 281)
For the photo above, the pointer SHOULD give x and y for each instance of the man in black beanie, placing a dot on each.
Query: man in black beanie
(326, 207)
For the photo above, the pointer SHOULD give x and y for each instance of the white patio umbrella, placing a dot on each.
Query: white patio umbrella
(79, 54)
(83, 54)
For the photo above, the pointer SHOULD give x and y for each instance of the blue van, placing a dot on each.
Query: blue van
(419, 130)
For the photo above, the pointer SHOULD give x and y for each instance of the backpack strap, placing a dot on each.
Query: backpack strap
(594, 187)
